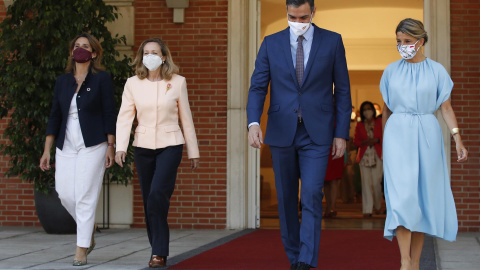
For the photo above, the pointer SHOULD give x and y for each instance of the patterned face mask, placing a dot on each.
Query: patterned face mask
(408, 51)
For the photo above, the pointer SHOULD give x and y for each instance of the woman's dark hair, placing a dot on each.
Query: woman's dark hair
(297, 3)
(365, 103)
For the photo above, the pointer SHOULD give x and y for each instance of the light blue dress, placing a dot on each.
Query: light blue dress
(417, 185)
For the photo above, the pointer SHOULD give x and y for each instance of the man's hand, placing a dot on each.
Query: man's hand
(255, 136)
(338, 147)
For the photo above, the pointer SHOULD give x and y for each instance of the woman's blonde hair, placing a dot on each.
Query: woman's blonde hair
(413, 28)
(95, 63)
(167, 69)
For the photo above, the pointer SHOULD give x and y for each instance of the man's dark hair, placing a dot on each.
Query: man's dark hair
(297, 3)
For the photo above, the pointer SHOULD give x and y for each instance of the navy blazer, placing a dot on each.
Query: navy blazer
(326, 67)
(95, 103)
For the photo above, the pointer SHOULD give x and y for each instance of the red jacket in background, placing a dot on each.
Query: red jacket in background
(361, 135)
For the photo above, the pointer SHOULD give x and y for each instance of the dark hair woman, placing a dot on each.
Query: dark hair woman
(82, 121)
(368, 138)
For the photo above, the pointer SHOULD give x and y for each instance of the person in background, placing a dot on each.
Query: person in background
(332, 185)
(82, 121)
(347, 186)
(368, 138)
(417, 184)
(158, 96)
(378, 110)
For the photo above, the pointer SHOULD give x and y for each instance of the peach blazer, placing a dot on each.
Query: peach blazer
(159, 106)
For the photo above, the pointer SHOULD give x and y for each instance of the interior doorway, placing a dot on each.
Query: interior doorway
(367, 28)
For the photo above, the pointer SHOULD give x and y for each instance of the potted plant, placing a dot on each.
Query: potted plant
(34, 49)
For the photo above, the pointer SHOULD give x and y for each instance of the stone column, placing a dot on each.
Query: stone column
(437, 23)
(124, 25)
(242, 161)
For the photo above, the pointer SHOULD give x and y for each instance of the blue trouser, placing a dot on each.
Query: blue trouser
(157, 172)
(307, 161)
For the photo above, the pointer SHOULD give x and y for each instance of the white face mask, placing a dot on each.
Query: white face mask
(408, 51)
(300, 28)
(152, 62)
(368, 114)
(353, 116)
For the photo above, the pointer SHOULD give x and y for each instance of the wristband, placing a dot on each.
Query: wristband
(455, 131)
(111, 144)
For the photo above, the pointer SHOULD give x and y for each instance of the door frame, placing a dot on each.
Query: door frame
(243, 162)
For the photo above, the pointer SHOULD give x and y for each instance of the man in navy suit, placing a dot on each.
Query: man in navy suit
(302, 64)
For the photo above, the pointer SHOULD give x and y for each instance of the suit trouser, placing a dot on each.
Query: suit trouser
(308, 161)
(157, 172)
(79, 174)
(372, 186)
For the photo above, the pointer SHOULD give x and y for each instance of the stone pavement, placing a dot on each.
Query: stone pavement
(32, 248)
(463, 254)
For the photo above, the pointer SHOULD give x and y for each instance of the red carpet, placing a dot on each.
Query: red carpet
(263, 249)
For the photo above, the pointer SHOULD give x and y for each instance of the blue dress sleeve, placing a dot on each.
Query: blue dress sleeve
(444, 86)
(384, 87)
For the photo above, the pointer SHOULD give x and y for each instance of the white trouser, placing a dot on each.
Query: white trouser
(78, 178)
(372, 186)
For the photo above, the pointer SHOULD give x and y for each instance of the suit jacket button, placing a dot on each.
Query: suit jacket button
(294, 110)
(78, 96)
(300, 93)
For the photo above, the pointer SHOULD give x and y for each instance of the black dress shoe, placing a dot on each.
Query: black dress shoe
(293, 266)
(303, 266)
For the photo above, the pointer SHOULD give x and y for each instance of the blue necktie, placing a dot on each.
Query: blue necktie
(299, 68)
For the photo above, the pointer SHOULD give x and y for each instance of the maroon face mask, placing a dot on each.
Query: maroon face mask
(80, 55)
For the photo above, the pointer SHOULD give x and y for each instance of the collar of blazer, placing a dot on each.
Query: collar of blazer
(313, 52)
(74, 81)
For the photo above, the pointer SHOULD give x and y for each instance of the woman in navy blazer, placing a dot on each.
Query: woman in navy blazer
(82, 120)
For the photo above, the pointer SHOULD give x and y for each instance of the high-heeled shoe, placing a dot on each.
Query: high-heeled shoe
(79, 262)
(92, 242)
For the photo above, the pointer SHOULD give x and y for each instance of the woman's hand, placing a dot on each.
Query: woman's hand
(109, 157)
(45, 161)
(194, 163)
(120, 158)
(462, 152)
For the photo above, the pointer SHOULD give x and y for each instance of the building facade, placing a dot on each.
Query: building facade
(215, 47)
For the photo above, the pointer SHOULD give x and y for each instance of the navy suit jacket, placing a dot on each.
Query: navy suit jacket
(95, 103)
(326, 67)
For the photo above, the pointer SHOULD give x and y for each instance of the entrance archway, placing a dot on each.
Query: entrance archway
(243, 172)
